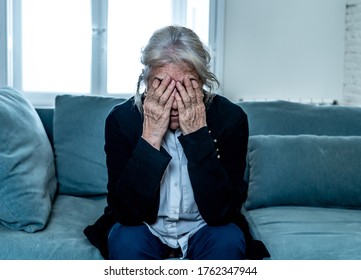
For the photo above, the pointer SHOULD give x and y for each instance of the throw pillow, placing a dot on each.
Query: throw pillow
(79, 143)
(27, 172)
(304, 170)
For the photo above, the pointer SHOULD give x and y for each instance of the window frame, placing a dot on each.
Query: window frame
(10, 47)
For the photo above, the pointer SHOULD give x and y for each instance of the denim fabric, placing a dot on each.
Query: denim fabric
(209, 243)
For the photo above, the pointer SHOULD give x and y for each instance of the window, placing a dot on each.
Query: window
(90, 46)
(56, 45)
(128, 30)
(124, 67)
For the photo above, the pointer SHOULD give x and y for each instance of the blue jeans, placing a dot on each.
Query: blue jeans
(209, 243)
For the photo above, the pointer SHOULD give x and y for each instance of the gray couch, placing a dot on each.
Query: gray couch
(304, 195)
(75, 130)
(303, 174)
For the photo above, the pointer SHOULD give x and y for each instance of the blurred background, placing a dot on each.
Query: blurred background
(297, 50)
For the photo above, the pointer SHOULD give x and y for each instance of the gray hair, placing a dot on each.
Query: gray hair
(174, 44)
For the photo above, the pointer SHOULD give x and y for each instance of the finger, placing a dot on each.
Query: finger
(150, 89)
(199, 92)
(186, 99)
(179, 101)
(163, 99)
(157, 87)
(169, 104)
(195, 84)
(156, 83)
(189, 87)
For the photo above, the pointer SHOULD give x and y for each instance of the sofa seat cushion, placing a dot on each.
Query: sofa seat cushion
(63, 238)
(27, 172)
(304, 170)
(291, 232)
(79, 123)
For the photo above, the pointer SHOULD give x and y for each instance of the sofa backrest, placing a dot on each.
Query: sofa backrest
(47, 117)
(290, 118)
(75, 128)
(299, 154)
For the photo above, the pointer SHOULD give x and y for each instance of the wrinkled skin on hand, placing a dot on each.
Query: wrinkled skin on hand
(191, 108)
(174, 100)
(157, 107)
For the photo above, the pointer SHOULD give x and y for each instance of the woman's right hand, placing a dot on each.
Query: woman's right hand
(156, 107)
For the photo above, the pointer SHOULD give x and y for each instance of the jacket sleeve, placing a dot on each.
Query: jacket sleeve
(216, 168)
(135, 170)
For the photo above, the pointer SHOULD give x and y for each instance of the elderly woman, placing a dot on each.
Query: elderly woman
(176, 156)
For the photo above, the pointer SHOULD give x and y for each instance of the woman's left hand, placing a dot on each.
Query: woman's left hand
(191, 108)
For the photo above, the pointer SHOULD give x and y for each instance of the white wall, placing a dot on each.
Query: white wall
(284, 49)
(352, 84)
(3, 44)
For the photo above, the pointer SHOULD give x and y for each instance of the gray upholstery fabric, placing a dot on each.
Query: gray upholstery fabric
(47, 117)
(289, 232)
(79, 143)
(63, 238)
(291, 118)
(298, 171)
(312, 233)
(27, 171)
(304, 170)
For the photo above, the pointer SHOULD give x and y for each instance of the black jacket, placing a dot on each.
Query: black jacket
(216, 157)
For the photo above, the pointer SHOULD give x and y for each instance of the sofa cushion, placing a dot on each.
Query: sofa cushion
(304, 170)
(291, 118)
(79, 143)
(63, 237)
(27, 172)
(308, 233)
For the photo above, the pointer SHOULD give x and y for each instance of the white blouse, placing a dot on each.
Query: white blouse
(178, 215)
